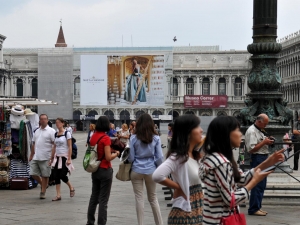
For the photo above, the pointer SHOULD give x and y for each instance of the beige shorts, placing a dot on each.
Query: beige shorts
(40, 168)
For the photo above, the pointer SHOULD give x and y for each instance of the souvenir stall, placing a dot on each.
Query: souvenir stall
(19, 124)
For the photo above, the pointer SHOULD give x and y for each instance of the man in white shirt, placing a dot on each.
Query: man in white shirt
(42, 148)
(69, 128)
(257, 144)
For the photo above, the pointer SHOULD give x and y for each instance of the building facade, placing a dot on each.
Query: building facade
(289, 69)
(190, 70)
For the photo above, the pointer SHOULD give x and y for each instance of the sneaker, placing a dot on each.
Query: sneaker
(258, 213)
(42, 195)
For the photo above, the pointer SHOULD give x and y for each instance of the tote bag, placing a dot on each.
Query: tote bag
(90, 159)
(124, 172)
(235, 218)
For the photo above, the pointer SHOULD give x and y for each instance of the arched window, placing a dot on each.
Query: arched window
(222, 86)
(19, 87)
(190, 112)
(110, 115)
(124, 116)
(34, 91)
(175, 88)
(77, 86)
(76, 115)
(205, 86)
(189, 86)
(156, 114)
(174, 113)
(221, 113)
(92, 113)
(139, 113)
(238, 87)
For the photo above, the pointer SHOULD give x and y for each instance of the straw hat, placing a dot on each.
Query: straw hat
(17, 110)
(28, 112)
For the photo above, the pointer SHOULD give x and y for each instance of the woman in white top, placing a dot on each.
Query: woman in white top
(124, 134)
(61, 158)
(183, 164)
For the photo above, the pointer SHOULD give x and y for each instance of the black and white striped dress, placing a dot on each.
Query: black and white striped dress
(20, 169)
(217, 176)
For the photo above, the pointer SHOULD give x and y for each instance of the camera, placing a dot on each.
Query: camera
(273, 139)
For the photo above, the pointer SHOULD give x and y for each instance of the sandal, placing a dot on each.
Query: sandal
(72, 193)
(56, 198)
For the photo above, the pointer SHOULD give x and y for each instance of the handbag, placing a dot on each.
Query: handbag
(124, 172)
(235, 218)
(90, 159)
(117, 145)
(19, 183)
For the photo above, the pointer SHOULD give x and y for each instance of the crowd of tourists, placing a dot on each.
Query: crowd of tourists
(208, 185)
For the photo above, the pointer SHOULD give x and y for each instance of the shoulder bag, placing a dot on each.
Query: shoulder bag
(90, 160)
(235, 218)
(124, 171)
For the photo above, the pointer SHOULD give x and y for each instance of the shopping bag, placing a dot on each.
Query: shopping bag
(124, 171)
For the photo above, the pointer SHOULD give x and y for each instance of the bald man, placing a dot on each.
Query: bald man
(257, 144)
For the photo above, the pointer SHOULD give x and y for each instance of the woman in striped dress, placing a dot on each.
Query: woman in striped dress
(183, 164)
(220, 174)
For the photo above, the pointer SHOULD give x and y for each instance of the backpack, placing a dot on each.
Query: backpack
(74, 147)
(90, 159)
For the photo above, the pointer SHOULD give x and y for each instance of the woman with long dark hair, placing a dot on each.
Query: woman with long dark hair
(183, 164)
(219, 171)
(145, 155)
(102, 178)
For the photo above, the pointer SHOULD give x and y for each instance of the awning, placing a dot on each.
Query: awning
(26, 101)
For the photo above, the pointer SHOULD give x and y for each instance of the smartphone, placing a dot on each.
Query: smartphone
(286, 156)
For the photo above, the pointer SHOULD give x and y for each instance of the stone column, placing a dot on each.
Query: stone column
(213, 91)
(200, 85)
(216, 86)
(229, 86)
(25, 85)
(184, 87)
(181, 87)
(1, 86)
(8, 85)
(246, 85)
(197, 91)
(29, 86)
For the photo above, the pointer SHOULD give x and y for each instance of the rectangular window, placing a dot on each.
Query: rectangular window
(206, 90)
(238, 89)
(189, 89)
(222, 89)
(175, 90)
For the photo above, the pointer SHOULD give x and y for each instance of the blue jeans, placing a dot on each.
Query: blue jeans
(257, 193)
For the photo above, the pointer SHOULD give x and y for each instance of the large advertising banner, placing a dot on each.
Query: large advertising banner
(93, 80)
(205, 101)
(136, 80)
(122, 80)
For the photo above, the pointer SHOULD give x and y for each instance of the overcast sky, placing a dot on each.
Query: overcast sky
(101, 23)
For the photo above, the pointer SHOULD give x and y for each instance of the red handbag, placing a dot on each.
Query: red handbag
(235, 218)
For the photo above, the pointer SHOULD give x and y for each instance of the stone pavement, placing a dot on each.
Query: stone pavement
(25, 207)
